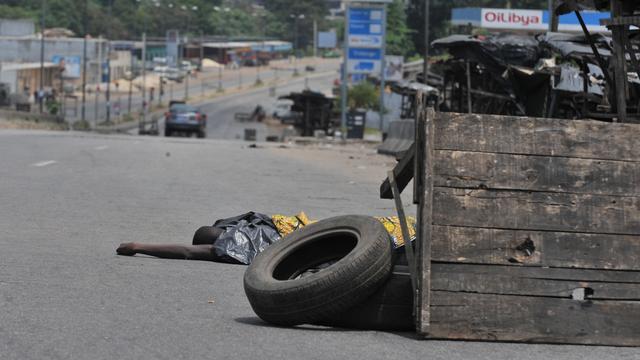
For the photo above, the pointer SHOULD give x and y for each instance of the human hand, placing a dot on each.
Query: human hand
(126, 249)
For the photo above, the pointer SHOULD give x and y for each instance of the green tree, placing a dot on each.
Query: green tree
(399, 41)
(364, 95)
(284, 18)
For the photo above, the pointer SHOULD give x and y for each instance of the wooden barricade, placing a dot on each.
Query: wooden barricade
(529, 229)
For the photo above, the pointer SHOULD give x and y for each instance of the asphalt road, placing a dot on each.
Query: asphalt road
(221, 123)
(205, 82)
(68, 200)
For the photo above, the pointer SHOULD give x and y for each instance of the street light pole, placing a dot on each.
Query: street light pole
(427, 8)
(41, 90)
(108, 93)
(84, 65)
(295, 42)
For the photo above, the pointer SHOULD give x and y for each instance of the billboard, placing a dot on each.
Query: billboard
(71, 65)
(365, 37)
(327, 40)
(365, 27)
(393, 68)
(364, 61)
(514, 19)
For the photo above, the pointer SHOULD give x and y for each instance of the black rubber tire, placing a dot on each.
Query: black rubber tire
(390, 308)
(167, 132)
(202, 134)
(277, 294)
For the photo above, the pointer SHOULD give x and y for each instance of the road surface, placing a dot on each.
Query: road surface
(205, 82)
(69, 199)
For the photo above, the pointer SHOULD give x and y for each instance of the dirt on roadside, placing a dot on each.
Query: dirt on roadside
(31, 125)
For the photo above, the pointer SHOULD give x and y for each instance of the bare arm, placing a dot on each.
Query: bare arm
(182, 252)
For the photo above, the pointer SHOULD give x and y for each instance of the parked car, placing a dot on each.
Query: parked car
(184, 118)
(187, 67)
(174, 74)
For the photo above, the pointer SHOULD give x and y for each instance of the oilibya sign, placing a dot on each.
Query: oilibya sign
(513, 19)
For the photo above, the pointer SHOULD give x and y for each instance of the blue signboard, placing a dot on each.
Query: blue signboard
(365, 15)
(365, 37)
(365, 54)
(364, 61)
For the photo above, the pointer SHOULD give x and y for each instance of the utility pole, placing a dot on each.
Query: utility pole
(425, 70)
(42, 25)
(84, 64)
(382, 72)
(130, 83)
(345, 77)
(201, 50)
(553, 17)
(315, 38)
(108, 93)
(144, 76)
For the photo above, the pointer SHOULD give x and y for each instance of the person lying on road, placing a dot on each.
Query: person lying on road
(239, 239)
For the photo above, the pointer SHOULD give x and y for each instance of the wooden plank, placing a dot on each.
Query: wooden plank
(534, 319)
(425, 219)
(536, 136)
(527, 281)
(535, 248)
(464, 169)
(536, 211)
(403, 173)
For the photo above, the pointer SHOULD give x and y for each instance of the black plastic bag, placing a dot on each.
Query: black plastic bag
(244, 237)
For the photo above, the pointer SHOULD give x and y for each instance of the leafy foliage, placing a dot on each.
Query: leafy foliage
(364, 95)
(399, 40)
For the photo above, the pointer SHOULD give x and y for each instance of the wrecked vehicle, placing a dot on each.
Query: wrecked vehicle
(311, 111)
(552, 75)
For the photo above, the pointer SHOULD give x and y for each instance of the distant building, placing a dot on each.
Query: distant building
(20, 61)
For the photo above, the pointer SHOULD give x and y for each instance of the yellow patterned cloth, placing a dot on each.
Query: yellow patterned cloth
(392, 224)
(288, 224)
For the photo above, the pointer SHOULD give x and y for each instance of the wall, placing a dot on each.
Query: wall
(17, 27)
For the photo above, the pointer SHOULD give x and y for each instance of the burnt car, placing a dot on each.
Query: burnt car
(185, 119)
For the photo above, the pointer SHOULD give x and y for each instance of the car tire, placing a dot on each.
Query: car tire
(390, 308)
(202, 134)
(283, 289)
(167, 132)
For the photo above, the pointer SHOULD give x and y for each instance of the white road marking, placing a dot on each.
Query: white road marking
(100, 148)
(44, 163)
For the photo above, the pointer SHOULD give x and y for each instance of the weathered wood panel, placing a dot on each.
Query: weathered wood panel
(534, 136)
(536, 211)
(547, 282)
(424, 190)
(535, 248)
(464, 169)
(534, 319)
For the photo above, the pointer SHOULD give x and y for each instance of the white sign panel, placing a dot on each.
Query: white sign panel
(365, 40)
(513, 19)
